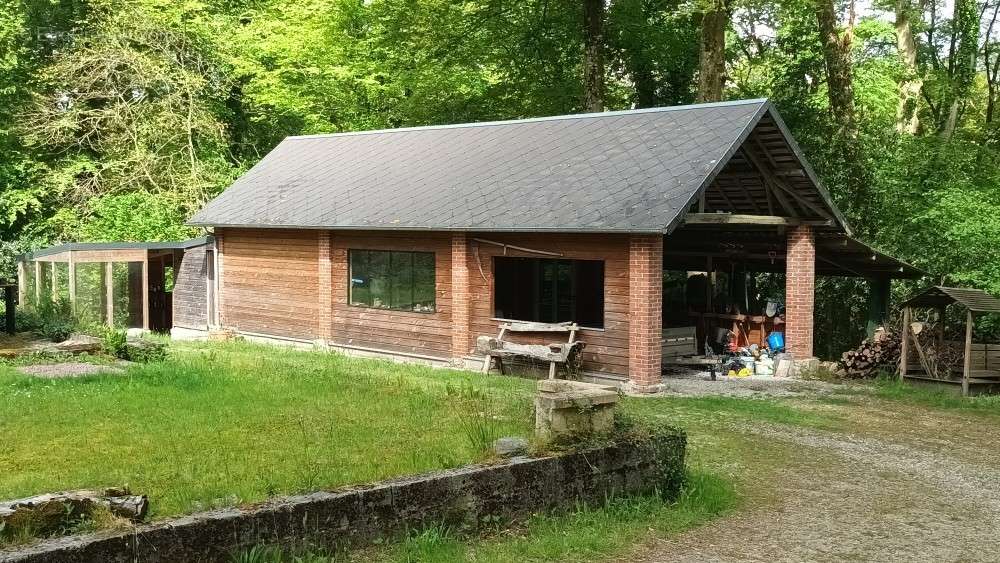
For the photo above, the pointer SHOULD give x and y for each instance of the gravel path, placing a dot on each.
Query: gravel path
(693, 384)
(869, 494)
(68, 369)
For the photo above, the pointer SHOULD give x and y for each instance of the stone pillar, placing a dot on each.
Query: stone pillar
(324, 329)
(645, 311)
(800, 283)
(459, 297)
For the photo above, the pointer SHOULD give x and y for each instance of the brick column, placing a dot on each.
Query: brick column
(800, 282)
(324, 330)
(459, 297)
(645, 311)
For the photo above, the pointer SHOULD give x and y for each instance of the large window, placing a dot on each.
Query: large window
(549, 291)
(402, 281)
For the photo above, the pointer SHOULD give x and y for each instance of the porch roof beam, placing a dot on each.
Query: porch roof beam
(740, 219)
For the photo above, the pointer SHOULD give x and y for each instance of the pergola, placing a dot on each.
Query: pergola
(975, 302)
(117, 283)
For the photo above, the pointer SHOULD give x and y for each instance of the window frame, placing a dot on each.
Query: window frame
(412, 253)
(604, 278)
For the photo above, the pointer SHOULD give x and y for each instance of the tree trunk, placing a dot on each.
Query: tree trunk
(962, 62)
(712, 54)
(837, 54)
(593, 60)
(907, 120)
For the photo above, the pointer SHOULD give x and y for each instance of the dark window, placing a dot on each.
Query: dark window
(402, 281)
(549, 291)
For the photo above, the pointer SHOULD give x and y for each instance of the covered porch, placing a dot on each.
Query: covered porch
(122, 284)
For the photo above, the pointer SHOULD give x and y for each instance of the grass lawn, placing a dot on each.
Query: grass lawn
(224, 424)
(235, 423)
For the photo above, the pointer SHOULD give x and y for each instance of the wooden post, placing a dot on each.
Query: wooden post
(878, 303)
(109, 282)
(53, 290)
(967, 368)
(72, 281)
(22, 289)
(145, 292)
(904, 345)
(38, 282)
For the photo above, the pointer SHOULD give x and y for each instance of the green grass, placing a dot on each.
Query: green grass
(586, 533)
(236, 423)
(692, 411)
(890, 387)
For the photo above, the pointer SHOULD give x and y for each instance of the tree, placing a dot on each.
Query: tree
(593, 57)
(907, 118)
(962, 57)
(712, 54)
(837, 54)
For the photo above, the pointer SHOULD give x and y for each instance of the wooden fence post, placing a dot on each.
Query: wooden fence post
(904, 347)
(967, 368)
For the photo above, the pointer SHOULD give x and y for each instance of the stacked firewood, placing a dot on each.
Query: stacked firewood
(880, 352)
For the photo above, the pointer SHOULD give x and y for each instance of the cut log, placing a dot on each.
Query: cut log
(50, 513)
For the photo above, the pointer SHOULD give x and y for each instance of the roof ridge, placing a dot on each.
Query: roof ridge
(592, 115)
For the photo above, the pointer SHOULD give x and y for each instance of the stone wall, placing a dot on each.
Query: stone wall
(460, 498)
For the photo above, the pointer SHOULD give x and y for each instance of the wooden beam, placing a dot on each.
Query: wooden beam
(38, 282)
(72, 281)
(967, 367)
(145, 294)
(904, 348)
(768, 184)
(740, 219)
(109, 289)
(22, 290)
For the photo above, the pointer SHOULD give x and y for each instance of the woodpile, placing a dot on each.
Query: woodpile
(52, 513)
(878, 353)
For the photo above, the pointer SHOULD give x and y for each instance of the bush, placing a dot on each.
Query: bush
(144, 351)
(52, 320)
(114, 341)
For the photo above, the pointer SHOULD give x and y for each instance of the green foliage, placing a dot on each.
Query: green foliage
(113, 342)
(50, 319)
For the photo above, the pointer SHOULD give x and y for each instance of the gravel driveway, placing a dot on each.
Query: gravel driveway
(903, 483)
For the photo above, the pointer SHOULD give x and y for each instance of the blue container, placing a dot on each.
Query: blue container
(776, 341)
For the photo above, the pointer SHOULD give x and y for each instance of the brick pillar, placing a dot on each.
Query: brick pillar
(800, 282)
(459, 297)
(324, 330)
(645, 311)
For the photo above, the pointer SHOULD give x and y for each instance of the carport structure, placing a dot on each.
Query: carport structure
(127, 284)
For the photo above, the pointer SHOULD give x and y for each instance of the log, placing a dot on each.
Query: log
(49, 513)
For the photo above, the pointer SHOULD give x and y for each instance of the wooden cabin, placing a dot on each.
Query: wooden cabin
(412, 242)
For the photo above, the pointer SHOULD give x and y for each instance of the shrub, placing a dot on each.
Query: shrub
(52, 320)
(144, 351)
(114, 342)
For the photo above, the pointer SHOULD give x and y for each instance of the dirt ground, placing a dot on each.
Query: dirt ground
(896, 482)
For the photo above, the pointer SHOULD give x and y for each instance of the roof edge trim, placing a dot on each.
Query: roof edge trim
(762, 101)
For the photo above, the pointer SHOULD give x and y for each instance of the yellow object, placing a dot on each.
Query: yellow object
(744, 372)
(732, 373)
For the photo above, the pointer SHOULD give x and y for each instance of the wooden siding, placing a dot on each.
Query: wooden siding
(427, 334)
(270, 281)
(270, 285)
(606, 350)
(190, 300)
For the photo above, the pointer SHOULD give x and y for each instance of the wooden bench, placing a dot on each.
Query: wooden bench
(679, 348)
(558, 353)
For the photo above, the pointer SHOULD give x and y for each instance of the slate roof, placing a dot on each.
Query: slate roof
(629, 171)
(976, 300)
